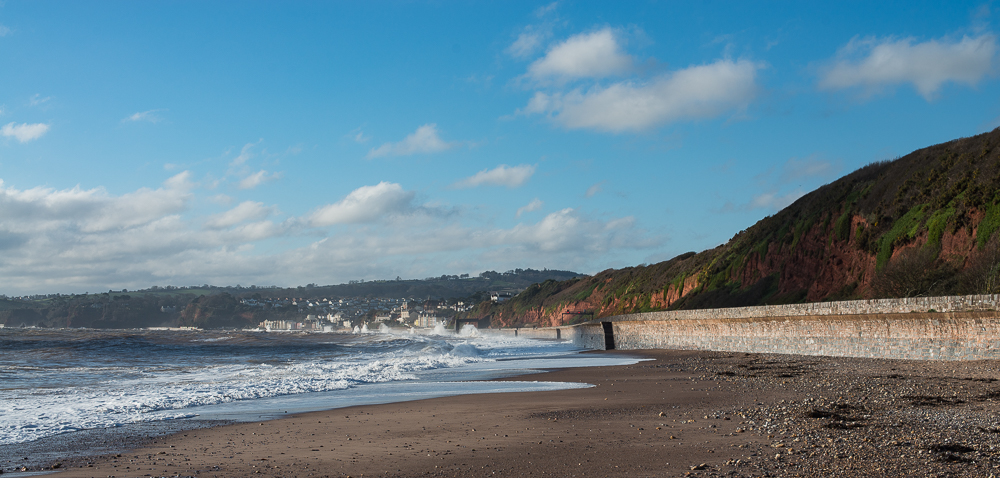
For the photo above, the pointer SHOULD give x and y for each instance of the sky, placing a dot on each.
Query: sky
(286, 143)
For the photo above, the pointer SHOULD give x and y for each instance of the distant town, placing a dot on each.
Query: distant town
(331, 314)
(426, 302)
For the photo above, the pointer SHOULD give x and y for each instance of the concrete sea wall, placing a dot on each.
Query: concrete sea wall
(927, 328)
(964, 303)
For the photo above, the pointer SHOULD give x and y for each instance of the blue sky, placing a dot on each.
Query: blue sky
(268, 143)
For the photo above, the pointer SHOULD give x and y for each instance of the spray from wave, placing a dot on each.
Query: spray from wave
(60, 381)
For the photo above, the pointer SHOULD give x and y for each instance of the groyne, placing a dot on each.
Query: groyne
(927, 328)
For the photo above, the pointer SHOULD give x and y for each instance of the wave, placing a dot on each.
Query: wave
(151, 387)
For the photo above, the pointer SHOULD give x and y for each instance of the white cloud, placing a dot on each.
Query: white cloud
(810, 167)
(565, 238)
(4, 31)
(424, 140)
(245, 153)
(38, 100)
(256, 179)
(149, 116)
(24, 132)
(596, 188)
(91, 210)
(221, 199)
(250, 179)
(565, 230)
(245, 211)
(546, 9)
(87, 239)
(587, 55)
(783, 185)
(872, 64)
(361, 138)
(529, 41)
(180, 181)
(365, 204)
(697, 92)
(534, 205)
(78, 239)
(502, 175)
(774, 201)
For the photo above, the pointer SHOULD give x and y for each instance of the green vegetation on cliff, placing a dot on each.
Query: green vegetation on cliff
(923, 224)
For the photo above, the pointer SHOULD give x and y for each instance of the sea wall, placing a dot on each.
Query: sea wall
(589, 336)
(963, 303)
(929, 328)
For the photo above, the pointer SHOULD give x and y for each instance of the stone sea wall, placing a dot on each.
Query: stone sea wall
(588, 336)
(963, 303)
(926, 328)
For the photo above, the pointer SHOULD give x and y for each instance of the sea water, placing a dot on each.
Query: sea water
(58, 381)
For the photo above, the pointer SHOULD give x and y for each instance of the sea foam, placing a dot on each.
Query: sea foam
(143, 389)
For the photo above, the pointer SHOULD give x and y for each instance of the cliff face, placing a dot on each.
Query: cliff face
(923, 224)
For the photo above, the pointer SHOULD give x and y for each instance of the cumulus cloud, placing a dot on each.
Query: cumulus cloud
(91, 210)
(365, 204)
(424, 140)
(502, 175)
(565, 230)
(24, 132)
(587, 55)
(697, 92)
(180, 181)
(76, 239)
(256, 179)
(872, 64)
(245, 211)
(150, 116)
(56, 240)
(534, 205)
(567, 238)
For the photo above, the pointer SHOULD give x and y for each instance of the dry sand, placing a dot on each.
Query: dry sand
(684, 413)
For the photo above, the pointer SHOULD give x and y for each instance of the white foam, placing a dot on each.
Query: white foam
(137, 394)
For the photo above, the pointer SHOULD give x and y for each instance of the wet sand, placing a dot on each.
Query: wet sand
(684, 413)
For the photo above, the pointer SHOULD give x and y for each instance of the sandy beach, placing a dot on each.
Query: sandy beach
(682, 413)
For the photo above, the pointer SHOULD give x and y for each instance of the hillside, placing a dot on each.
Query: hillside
(443, 287)
(211, 306)
(923, 224)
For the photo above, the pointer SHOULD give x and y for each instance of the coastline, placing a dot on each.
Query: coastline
(683, 413)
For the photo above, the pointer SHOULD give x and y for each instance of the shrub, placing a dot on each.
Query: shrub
(988, 226)
(936, 225)
(904, 228)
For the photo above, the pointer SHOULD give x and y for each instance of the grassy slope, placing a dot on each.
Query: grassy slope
(849, 239)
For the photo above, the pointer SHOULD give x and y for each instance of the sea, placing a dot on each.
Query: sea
(58, 385)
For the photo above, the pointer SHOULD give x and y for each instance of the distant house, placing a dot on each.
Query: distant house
(429, 321)
(502, 296)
